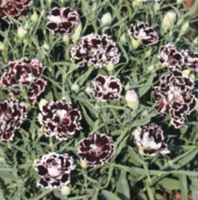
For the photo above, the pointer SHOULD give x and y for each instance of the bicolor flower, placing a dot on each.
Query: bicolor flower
(97, 50)
(96, 149)
(27, 74)
(144, 33)
(63, 20)
(175, 95)
(14, 8)
(12, 114)
(54, 170)
(105, 88)
(59, 119)
(150, 140)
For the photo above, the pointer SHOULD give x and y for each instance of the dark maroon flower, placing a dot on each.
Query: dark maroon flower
(12, 115)
(26, 73)
(59, 119)
(96, 149)
(96, 50)
(170, 57)
(150, 140)
(176, 95)
(63, 20)
(13, 8)
(54, 169)
(105, 88)
(144, 33)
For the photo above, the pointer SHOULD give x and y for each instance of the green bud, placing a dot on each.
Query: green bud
(184, 28)
(83, 164)
(2, 46)
(135, 43)
(179, 1)
(76, 34)
(75, 87)
(123, 39)
(106, 19)
(168, 21)
(34, 17)
(132, 99)
(137, 3)
(110, 67)
(65, 191)
(21, 32)
(156, 7)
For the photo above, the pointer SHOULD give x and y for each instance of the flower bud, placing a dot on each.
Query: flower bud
(168, 21)
(2, 46)
(65, 191)
(137, 3)
(179, 2)
(110, 67)
(76, 34)
(132, 99)
(135, 43)
(106, 19)
(123, 39)
(156, 7)
(34, 17)
(21, 32)
(83, 164)
(184, 28)
(75, 87)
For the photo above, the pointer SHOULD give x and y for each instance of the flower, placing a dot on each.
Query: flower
(105, 88)
(176, 95)
(59, 119)
(12, 115)
(96, 50)
(26, 73)
(170, 57)
(150, 140)
(144, 33)
(13, 8)
(96, 149)
(63, 20)
(190, 59)
(54, 169)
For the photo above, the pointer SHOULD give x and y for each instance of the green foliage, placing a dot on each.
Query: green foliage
(129, 176)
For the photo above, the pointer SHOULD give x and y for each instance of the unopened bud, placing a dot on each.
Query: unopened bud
(65, 190)
(106, 19)
(132, 99)
(168, 21)
(21, 32)
(83, 164)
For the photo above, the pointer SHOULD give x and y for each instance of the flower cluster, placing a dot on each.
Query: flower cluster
(96, 149)
(172, 58)
(12, 115)
(54, 169)
(96, 50)
(150, 140)
(105, 88)
(13, 8)
(63, 20)
(144, 33)
(176, 95)
(27, 73)
(59, 119)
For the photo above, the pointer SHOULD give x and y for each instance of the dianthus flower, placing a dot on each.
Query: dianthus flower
(54, 170)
